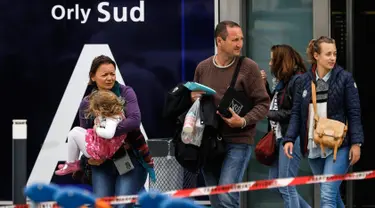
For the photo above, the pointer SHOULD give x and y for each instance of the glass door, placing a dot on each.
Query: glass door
(363, 60)
(270, 22)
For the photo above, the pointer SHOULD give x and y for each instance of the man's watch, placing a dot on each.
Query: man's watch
(358, 144)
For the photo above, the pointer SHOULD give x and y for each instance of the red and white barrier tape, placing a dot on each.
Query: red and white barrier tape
(239, 187)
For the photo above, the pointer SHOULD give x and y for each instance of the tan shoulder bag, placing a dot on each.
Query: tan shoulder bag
(327, 132)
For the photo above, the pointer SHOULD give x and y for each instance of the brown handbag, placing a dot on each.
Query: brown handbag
(327, 132)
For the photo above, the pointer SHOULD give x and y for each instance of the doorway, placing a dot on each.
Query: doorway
(359, 62)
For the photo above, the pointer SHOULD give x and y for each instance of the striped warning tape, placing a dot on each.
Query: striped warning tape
(41, 205)
(239, 187)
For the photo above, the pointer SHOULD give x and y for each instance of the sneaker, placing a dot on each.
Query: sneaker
(68, 168)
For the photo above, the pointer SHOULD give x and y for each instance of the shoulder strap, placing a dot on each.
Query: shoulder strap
(313, 96)
(283, 95)
(235, 74)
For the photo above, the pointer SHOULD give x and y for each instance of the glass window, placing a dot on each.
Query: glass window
(271, 22)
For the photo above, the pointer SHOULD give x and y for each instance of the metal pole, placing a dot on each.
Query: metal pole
(349, 35)
(349, 67)
(321, 26)
(244, 15)
(19, 165)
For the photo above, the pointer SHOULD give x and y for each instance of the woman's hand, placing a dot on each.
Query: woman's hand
(354, 154)
(263, 75)
(288, 149)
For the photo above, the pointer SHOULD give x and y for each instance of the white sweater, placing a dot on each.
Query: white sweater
(106, 127)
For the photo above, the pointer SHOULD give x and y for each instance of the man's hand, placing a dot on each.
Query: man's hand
(354, 154)
(196, 94)
(235, 121)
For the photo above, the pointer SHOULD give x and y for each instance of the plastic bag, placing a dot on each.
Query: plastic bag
(192, 130)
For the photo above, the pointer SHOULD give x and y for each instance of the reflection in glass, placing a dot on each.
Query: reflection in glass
(271, 22)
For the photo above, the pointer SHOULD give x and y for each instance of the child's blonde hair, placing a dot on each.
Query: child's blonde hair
(105, 103)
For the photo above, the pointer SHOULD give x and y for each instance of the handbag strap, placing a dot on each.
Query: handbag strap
(313, 96)
(283, 95)
(235, 74)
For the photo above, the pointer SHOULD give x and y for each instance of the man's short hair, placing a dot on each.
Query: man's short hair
(221, 29)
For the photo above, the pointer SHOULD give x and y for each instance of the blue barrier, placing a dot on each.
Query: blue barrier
(73, 197)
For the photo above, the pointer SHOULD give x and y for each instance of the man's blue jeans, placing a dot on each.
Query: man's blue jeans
(230, 170)
(107, 182)
(330, 192)
(286, 168)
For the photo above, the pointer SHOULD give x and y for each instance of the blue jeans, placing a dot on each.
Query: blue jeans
(286, 168)
(330, 192)
(228, 170)
(107, 182)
